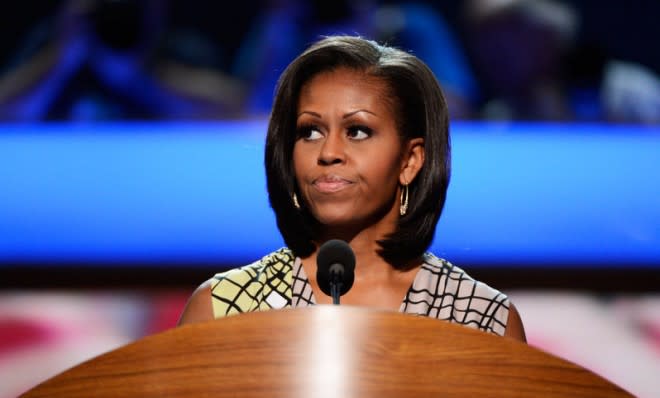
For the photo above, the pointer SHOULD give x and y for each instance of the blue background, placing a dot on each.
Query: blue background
(173, 193)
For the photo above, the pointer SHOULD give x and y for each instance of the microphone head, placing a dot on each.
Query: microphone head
(335, 256)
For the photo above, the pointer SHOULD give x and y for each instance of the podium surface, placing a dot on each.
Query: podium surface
(326, 351)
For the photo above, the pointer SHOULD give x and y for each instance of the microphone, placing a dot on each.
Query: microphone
(335, 268)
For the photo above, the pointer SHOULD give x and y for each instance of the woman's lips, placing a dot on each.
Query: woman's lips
(329, 184)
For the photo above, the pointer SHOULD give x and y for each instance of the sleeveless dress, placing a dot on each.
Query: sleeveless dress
(440, 290)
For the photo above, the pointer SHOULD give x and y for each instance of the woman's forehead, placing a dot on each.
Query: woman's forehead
(347, 83)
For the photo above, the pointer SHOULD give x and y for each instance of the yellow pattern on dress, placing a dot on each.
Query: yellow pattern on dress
(260, 286)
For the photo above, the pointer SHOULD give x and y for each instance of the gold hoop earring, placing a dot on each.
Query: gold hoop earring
(295, 201)
(403, 208)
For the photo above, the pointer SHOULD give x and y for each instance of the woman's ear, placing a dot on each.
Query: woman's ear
(413, 160)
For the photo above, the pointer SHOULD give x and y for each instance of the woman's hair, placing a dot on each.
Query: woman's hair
(420, 111)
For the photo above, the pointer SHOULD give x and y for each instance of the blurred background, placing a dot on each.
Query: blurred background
(131, 163)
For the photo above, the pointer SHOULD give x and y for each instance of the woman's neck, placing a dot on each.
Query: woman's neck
(365, 247)
(377, 283)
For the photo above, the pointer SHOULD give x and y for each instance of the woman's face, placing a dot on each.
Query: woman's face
(348, 157)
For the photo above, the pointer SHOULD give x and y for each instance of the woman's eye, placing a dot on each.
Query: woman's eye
(359, 132)
(309, 133)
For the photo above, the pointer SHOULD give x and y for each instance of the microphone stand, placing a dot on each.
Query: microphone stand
(336, 285)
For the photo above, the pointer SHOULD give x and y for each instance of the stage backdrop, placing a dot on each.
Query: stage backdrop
(175, 193)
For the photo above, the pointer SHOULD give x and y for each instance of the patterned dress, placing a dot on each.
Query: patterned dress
(439, 290)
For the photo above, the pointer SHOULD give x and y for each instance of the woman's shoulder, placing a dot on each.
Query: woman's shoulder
(274, 262)
(446, 291)
(261, 285)
(457, 278)
(442, 268)
(242, 289)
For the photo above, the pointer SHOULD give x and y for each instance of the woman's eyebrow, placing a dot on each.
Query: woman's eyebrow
(345, 116)
(349, 114)
(309, 113)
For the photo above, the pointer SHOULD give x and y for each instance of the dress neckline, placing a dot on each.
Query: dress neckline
(301, 284)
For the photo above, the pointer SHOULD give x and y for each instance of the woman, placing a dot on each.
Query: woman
(358, 150)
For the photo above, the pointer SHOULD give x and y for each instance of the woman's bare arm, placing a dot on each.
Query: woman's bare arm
(514, 325)
(198, 308)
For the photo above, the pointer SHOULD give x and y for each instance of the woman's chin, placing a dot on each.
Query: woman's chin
(337, 221)
(348, 219)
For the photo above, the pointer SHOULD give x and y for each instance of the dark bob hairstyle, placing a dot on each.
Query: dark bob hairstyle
(421, 111)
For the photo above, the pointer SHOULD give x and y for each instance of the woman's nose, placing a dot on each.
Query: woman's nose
(332, 150)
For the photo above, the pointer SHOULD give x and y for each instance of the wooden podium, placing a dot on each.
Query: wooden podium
(326, 351)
